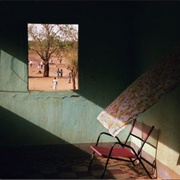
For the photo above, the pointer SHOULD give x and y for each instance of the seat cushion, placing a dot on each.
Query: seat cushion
(121, 152)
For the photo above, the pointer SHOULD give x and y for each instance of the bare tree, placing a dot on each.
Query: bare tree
(70, 49)
(73, 66)
(53, 39)
(44, 43)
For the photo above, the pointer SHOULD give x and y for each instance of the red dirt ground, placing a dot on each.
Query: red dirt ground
(38, 82)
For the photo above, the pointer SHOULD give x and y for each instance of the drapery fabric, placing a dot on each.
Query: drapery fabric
(142, 93)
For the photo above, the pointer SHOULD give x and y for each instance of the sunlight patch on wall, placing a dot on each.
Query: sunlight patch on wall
(13, 73)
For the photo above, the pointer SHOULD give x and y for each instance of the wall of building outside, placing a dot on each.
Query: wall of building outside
(114, 49)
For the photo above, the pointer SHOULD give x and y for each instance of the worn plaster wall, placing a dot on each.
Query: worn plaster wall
(104, 71)
(158, 35)
(117, 42)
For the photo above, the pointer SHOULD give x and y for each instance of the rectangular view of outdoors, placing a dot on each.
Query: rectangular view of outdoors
(52, 57)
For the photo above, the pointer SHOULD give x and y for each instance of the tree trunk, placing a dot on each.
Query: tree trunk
(74, 83)
(46, 69)
(73, 79)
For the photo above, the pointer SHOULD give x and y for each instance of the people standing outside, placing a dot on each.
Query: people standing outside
(55, 83)
(58, 72)
(69, 78)
(41, 64)
(61, 71)
(39, 71)
(30, 63)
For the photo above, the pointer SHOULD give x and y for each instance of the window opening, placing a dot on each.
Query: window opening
(52, 57)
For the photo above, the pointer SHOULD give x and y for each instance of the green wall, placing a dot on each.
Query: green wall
(156, 35)
(118, 41)
(104, 57)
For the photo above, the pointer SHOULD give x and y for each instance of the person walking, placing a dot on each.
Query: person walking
(30, 63)
(55, 83)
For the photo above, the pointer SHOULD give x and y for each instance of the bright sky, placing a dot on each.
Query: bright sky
(39, 26)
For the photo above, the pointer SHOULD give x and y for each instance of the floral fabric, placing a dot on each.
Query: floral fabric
(141, 94)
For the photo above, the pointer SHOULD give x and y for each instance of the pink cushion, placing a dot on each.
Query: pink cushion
(121, 152)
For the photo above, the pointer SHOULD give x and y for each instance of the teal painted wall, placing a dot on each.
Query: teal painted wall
(117, 43)
(104, 57)
(157, 34)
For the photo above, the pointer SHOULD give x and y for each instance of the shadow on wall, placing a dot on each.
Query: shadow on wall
(27, 151)
(112, 63)
(17, 133)
(100, 84)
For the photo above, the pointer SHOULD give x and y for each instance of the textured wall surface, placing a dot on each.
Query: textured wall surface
(155, 39)
(117, 43)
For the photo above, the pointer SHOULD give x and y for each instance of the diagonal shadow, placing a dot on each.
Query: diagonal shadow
(28, 151)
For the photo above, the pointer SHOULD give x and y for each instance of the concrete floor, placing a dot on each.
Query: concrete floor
(35, 163)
